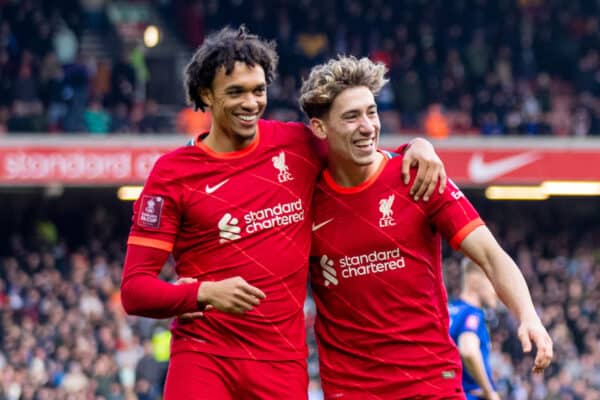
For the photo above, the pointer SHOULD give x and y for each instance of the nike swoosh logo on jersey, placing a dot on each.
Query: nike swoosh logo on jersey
(322, 224)
(212, 189)
(480, 171)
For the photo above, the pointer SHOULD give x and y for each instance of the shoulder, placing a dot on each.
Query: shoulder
(392, 155)
(175, 155)
(173, 160)
(393, 166)
(456, 307)
(394, 160)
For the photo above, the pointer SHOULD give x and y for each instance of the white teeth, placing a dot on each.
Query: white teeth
(247, 117)
(365, 142)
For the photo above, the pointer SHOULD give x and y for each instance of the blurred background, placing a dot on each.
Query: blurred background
(91, 94)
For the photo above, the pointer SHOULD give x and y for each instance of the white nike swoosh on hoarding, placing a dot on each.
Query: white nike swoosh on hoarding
(480, 171)
(322, 224)
(212, 189)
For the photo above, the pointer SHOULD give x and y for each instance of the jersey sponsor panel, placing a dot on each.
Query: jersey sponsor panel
(356, 266)
(279, 215)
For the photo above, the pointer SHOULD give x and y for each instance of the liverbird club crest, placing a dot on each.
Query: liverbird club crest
(284, 174)
(385, 207)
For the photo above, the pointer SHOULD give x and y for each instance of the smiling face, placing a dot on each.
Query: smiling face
(237, 101)
(351, 127)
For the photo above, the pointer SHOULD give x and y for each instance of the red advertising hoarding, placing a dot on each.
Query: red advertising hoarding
(90, 162)
(83, 166)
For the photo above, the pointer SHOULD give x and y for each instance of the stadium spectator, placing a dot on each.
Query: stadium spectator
(77, 85)
(153, 122)
(191, 122)
(436, 123)
(123, 82)
(120, 122)
(96, 119)
(66, 44)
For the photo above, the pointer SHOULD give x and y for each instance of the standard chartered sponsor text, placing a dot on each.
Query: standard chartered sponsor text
(371, 263)
(280, 214)
(77, 165)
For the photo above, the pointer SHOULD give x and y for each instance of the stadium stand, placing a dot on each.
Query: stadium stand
(534, 71)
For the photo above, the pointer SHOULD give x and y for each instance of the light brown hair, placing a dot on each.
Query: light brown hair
(326, 81)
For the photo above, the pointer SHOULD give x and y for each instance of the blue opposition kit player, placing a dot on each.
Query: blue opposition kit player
(468, 330)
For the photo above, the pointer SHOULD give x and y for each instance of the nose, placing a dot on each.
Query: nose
(366, 125)
(250, 102)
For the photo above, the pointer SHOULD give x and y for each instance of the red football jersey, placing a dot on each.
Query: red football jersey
(382, 319)
(221, 215)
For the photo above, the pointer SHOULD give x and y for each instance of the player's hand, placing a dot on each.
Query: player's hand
(534, 331)
(430, 169)
(195, 314)
(232, 295)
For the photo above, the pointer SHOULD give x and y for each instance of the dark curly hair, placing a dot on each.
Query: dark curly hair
(223, 49)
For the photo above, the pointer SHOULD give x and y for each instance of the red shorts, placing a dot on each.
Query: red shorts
(201, 376)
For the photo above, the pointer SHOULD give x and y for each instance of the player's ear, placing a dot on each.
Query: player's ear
(318, 128)
(206, 96)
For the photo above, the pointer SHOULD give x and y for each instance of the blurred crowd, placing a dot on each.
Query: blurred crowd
(470, 66)
(519, 67)
(47, 84)
(64, 335)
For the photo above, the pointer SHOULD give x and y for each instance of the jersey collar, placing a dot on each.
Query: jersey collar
(360, 187)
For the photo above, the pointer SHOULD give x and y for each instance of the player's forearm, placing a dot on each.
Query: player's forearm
(510, 286)
(153, 298)
(481, 247)
(473, 362)
(144, 294)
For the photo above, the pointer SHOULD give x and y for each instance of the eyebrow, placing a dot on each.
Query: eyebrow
(357, 110)
(240, 88)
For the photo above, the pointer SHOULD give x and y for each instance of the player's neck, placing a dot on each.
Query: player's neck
(346, 173)
(222, 142)
(471, 298)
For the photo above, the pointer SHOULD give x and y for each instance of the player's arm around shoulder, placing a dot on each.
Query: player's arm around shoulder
(509, 283)
(431, 173)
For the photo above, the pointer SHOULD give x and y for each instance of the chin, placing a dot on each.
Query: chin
(364, 161)
(246, 134)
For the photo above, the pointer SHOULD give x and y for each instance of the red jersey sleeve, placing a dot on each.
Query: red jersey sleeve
(142, 293)
(452, 214)
(157, 212)
(155, 223)
(402, 148)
